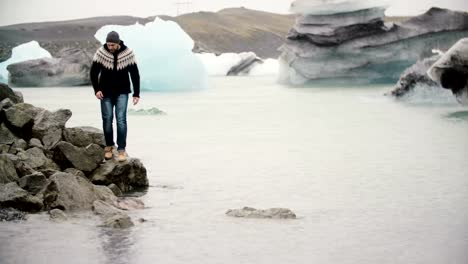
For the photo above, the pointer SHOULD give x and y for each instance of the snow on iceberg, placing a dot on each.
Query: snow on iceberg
(226, 63)
(164, 55)
(27, 51)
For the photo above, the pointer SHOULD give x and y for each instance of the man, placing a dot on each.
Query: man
(111, 66)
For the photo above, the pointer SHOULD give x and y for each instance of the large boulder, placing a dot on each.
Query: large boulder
(126, 175)
(71, 69)
(85, 159)
(11, 195)
(7, 170)
(7, 92)
(33, 183)
(48, 126)
(343, 41)
(83, 136)
(34, 157)
(71, 193)
(18, 121)
(249, 212)
(6, 136)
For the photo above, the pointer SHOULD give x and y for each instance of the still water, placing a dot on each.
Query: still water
(372, 180)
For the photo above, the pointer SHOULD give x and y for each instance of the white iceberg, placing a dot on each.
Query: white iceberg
(27, 51)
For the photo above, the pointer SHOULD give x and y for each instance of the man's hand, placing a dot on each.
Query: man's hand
(135, 100)
(99, 95)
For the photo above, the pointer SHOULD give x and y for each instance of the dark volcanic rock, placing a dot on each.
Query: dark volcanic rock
(11, 195)
(7, 92)
(85, 159)
(10, 214)
(126, 175)
(83, 136)
(7, 170)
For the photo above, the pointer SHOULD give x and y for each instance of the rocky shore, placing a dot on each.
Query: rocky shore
(46, 166)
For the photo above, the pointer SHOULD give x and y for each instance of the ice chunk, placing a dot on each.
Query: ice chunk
(27, 51)
(221, 65)
(327, 7)
(268, 67)
(164, 55)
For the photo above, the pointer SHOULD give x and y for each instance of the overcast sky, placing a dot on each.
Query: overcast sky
(22, 11)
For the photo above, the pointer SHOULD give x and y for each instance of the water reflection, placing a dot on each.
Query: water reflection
(459, 115)
(117, 245)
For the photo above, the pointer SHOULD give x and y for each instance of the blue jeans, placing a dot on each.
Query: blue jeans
(120, 103)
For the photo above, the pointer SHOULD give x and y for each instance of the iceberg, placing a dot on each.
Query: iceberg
(27, 51)
(349, 40)
(245, 63)
(164, 55)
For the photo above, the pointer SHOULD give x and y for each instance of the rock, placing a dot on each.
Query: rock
(20, 144)
(7, 92)
(84, 136)
(34, 142)
(6, 103)
(248, 61)
(51, 137)
(415, 75)
(105, 209)
(115, 189)
(11, 195)
(48, 172)
(23, 168)
(4, 148)
(19, 121)
(71, 69)
(84, 159)
(451, 70)
(10, 214)
(58, 215)
(35, 158)
(129, 203)
(7, 170)
(47, 125)
(69, 193)
(126, 175)
(6, 136)
(343, 44)
(105, 194)
(75, 172)
(119, 221)
(248, 212)
(33, 183)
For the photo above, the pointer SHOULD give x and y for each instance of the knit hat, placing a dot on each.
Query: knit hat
(113, 37)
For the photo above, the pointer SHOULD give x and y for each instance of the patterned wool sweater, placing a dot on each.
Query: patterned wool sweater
(109, 71)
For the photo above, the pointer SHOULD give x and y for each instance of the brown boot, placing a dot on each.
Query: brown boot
(108, 152)
(122, 155)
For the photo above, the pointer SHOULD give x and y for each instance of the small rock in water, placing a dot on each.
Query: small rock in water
(150, 111)
(10, 214)
(119, 221)
(58, 215)
(129, 203)
(249, 212)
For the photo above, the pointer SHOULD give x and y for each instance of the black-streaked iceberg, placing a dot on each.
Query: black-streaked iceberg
(350, 40)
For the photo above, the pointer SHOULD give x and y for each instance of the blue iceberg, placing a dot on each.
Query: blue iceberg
(164, 55)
